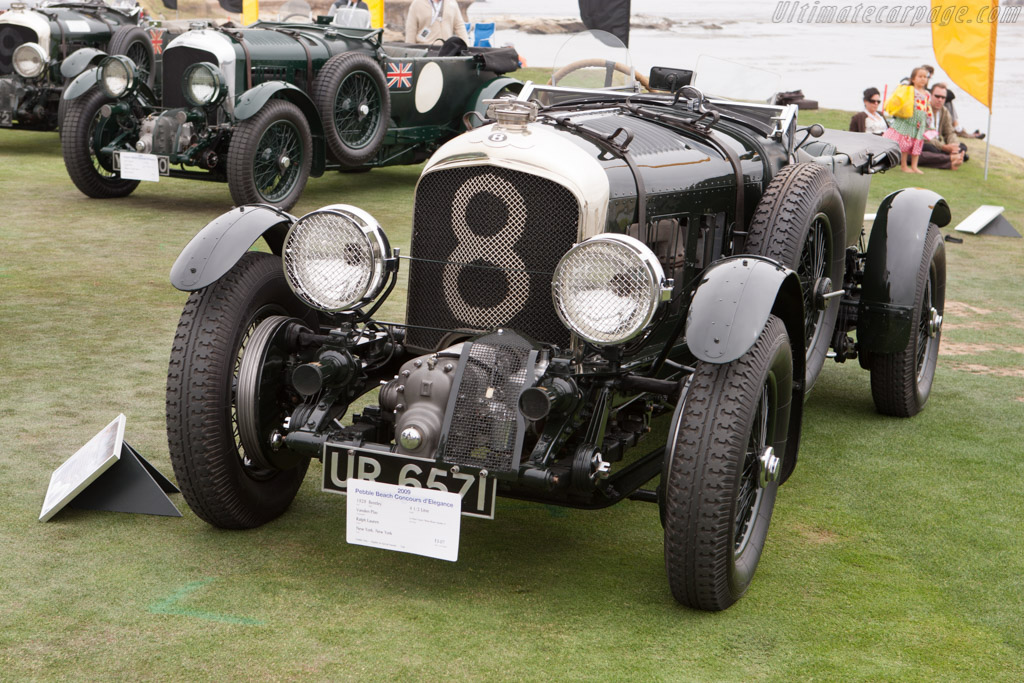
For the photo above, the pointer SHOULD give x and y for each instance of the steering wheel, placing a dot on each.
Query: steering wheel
(610, 69)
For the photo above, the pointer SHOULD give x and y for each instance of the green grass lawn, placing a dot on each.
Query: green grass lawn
(896, 551)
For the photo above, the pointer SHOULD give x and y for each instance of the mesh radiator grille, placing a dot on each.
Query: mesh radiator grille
(485, 242)
(12, 36)
(484, 428)
(176, 60)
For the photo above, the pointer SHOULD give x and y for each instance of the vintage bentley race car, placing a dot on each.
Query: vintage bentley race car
(41, 48)
(265, 107)
(589, 264)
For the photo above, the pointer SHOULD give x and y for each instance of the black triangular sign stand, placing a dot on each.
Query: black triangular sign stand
(999, 227)
(131, 484)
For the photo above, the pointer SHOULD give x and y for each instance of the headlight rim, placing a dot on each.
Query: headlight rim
(132, 72)
(659, 287)
(379, 247)
(37, 49)
(221, 86)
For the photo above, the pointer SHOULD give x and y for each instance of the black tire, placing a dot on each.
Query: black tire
(902, 381)
(91, 173)
(352, 97)
(716, 513)
(133, 42)
(220, 484)
(262, 166)
(800, 212)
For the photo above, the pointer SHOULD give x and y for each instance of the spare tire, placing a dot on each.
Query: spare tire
(135, 44)
(352, 96)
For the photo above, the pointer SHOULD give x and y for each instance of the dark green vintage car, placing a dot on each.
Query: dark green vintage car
(612, 295)
(42, 47)
(263, 108)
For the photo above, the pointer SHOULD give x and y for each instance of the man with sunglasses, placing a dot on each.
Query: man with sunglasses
(942, 148)
(869, 120)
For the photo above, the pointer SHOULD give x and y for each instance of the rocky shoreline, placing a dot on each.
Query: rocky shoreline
(551, 25)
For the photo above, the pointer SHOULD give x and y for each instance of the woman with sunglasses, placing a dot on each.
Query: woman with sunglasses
(869, 120)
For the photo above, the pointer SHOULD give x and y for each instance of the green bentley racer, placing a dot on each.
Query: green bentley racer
(265, 107)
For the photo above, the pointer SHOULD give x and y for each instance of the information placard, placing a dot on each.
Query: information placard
(135, 166)
(83, 468)
(410, 520)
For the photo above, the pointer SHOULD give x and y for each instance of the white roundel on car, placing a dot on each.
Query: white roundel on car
(428, 87)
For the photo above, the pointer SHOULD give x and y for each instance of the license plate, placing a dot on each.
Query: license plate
(345, 462)
(6, 118)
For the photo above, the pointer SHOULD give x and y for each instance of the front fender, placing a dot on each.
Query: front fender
(732, 304)
(895, 250)
(82, 84)
(252, 100)
(219, 245)
(79, 60)
(730, 309)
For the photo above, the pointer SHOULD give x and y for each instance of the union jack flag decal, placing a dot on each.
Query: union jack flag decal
(156, 36)
(399, 75)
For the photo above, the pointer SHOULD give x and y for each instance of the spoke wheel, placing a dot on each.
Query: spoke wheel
(352, 97)
(722, 468)
(86, 133)
(901, 382)
(223, 483)
(801, 222)
(270, 156)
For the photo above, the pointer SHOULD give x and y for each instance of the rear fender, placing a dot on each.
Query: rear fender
(730, 309)
(219, 245)
(895, 250)
(490, 90)
(79, 60)
(82, 84)
(252, 100)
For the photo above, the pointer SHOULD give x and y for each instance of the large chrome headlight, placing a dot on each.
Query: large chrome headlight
(334, 258)
(118, 76)
(607, 289)
(204, 85)
(29, 60)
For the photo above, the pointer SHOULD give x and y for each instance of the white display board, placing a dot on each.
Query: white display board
(83, 468)
(981, 217)
(410, 520)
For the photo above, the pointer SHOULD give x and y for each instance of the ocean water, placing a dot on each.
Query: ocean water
(831, 62)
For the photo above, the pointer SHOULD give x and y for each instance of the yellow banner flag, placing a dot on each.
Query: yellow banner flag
(964, 40)
(250, 11)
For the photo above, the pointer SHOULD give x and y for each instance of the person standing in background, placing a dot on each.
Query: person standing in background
(430, 20)
(908, 131)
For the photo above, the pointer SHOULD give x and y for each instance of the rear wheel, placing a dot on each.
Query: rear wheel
(722, 471)
(902, 381)
(222, 484)
(352, 97)
(270, 156)
(801, 223)
(86, 134)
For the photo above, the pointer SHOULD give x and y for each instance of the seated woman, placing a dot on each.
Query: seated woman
(869, 120)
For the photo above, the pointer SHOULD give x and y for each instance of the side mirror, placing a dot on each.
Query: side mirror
(671, 80)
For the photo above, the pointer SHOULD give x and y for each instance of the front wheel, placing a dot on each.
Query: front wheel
(722, 469)
(223, 485)
(270, 156)
(85, 134)
(902, 381)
